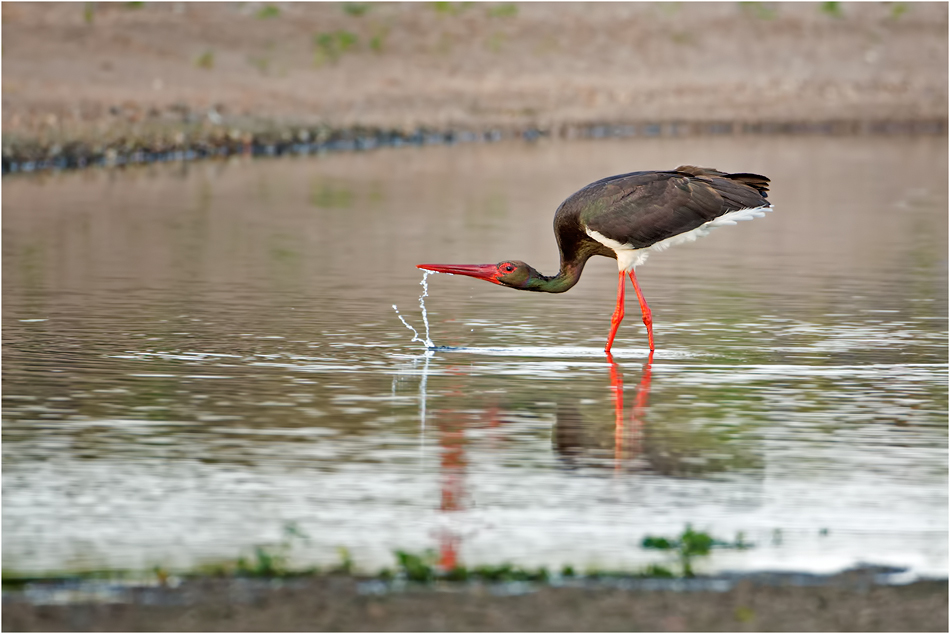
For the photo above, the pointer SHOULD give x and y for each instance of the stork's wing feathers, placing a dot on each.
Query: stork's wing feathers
(643, 208)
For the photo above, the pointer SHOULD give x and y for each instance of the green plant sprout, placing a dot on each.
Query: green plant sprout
(261, 63)
(356, 8)
(691, 544)
(267, 12)
(898, 9)
(831, 8)
(759, 10)
(495, 42)
(205, 60)
(272, 561)
(506, 10)
(378, 40)
(330, 46)
(450, 8)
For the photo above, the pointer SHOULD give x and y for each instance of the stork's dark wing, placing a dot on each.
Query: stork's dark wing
(643, 208)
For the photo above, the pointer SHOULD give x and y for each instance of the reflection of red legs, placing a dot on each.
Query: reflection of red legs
(617, 316)
(616, 384)
(647, 315)
(635, 431)
(452, 441)
(640, 405)
(448, 550)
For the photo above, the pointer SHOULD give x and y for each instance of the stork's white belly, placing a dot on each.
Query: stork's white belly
(630, 257)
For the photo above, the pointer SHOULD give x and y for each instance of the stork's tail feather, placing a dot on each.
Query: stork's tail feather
(760, 183)
(756, 181)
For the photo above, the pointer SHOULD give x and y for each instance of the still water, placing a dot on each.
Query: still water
(197, 356)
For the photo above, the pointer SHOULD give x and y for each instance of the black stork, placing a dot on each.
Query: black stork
(625, 217)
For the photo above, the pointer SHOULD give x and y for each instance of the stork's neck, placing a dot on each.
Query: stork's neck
(567, 277)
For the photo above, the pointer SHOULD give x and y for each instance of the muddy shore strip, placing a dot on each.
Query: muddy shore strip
(851, 601)
(117, 83)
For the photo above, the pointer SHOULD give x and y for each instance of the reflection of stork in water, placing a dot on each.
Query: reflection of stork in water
(452, 465)
(571, 434)
(452, 471)
(452, 468)
(628, 439)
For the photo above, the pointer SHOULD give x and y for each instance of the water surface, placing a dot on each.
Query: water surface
(197, 356)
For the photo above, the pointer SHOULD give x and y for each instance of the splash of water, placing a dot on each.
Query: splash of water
(422, 304)
(427, 342)
(415, 335)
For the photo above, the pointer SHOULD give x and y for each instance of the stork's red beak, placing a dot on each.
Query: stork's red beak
(481, 271)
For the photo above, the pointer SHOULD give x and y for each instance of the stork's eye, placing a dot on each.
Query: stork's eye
(509, 268)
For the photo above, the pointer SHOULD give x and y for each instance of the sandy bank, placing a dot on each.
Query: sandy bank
(178, 74)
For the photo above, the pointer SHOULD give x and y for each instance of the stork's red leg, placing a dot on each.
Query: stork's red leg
(618, 314)
(647, 315)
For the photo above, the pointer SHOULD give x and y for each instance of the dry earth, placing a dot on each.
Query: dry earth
(82, 70)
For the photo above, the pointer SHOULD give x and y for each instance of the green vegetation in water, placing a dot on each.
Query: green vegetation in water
(273, 562)
(14, 581)
(134, 5)
(264, 563)
(423, 568)
(346, 560)
(89, 12)
(328, 47)
(267, 12)
(205, 60)
(689, 545)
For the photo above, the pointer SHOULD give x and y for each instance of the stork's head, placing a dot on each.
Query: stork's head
(513, 273)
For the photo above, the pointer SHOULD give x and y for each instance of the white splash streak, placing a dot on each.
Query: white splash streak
(422, 304)
(415, 335)
(427, 342)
